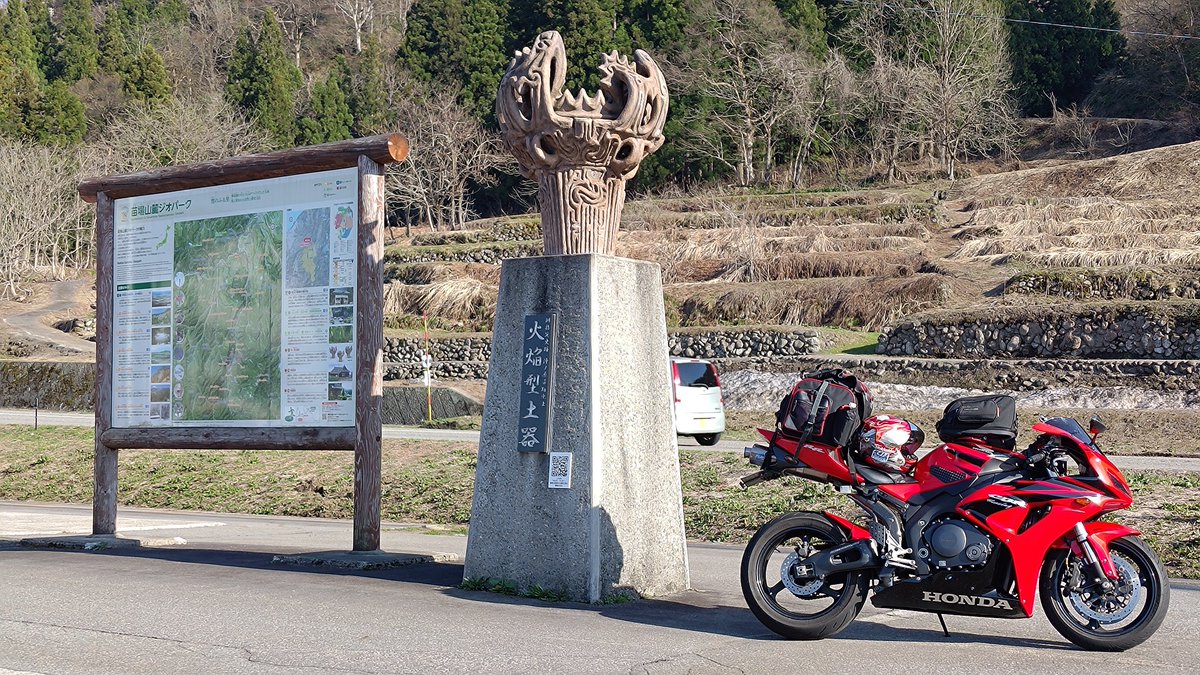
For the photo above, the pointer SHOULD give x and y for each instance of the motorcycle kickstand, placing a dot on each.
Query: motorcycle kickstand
(943, 620)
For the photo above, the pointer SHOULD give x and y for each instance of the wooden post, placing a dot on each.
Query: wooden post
(368, 415)
(383, 149)
(104, 488)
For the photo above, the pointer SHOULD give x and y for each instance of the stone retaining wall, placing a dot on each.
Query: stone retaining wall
(66, 385)
(1108, 285)
(1123, 333)
(467, 357)
(491, 255)
(744, 344)
(1015, 374)
(516, 229)
(70, 385)
(408, 405)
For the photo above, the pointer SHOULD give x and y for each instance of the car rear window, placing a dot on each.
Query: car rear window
(697, 374)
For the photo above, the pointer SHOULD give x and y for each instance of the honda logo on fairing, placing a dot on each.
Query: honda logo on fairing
(972, 600)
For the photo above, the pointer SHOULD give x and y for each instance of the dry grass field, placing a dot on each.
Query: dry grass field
(859, 259)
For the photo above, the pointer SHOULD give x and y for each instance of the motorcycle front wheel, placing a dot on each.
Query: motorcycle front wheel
(1099, 619)
(791, 605)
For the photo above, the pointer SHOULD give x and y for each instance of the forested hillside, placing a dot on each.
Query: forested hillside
(770, 94)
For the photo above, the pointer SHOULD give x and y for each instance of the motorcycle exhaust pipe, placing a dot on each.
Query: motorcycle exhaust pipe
(753, 479)
(757, 454)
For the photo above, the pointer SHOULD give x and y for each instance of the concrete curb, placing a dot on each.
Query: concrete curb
(82, 542)
(362, 560)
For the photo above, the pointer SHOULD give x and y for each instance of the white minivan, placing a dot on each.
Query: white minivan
(699, 405)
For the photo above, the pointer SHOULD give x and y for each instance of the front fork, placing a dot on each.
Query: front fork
(1096, 556)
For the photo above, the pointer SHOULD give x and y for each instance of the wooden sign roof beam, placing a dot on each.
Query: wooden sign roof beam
(383, 149)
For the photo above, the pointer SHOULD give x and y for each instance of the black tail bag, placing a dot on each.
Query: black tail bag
(990, 419)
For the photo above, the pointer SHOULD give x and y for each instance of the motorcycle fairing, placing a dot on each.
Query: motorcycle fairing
(821, 458)
(972, 592)
(1029, 517)
(853, 531)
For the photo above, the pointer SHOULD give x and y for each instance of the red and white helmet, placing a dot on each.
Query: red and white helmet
(890, 443)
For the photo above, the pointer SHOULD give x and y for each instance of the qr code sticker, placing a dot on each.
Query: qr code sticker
(560, 470)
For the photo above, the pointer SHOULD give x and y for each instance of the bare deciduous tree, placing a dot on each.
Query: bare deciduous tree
(373, 16)
(186, 129)
(823, 100)
(938, 80)
(359, 14)
(451, 152)
(969, 108)
(298, 19)
(736, 65)
(195, 55)
(45, 227)
(1160, 71)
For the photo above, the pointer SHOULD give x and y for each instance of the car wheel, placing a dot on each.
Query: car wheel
(708, 439)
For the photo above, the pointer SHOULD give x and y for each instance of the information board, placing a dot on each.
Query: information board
(235, 305)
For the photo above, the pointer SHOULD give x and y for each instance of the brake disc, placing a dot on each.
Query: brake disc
(787, 573)
(1114, 606)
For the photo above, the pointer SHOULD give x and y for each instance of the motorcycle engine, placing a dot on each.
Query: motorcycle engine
(954, 544)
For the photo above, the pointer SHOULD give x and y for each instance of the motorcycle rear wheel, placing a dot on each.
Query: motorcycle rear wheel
(815, 609)
(1101, 621)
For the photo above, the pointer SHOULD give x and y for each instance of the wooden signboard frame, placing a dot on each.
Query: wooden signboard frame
(369, 155)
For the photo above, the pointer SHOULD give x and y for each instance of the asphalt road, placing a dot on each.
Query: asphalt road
(217, 604)
(12, 416)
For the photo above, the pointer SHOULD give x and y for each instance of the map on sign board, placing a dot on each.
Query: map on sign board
(234, 305)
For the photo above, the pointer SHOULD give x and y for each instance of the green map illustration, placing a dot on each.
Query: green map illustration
(228, 288)
(307, 258)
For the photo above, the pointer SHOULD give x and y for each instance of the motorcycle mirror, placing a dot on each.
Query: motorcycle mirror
(1096, 427)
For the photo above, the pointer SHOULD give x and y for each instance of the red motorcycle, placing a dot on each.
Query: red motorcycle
(973, 530)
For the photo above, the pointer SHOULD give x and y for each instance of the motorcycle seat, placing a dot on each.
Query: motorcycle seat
(882, 477)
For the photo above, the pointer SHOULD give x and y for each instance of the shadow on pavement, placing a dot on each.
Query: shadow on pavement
(738, 622)
(879, 632)
(430, 573)
(702, 618)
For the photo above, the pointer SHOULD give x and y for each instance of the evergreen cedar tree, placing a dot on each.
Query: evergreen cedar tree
(1060, 62)
(263, 80)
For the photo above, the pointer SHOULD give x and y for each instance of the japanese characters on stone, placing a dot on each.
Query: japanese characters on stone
(537, 369)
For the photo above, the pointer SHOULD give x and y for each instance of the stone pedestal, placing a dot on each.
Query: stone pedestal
(620, 523)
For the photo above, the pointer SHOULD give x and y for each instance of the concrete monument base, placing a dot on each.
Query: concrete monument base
(619, 526)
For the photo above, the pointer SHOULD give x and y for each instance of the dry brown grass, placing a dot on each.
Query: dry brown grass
(829, 265)
(1084, 231)
(990, 247)
(453, 299)
(1060, 209)
(1118, 258)
(747, 252)
(1151, 174)
(428, 273)
(707, 212)
(848, 302)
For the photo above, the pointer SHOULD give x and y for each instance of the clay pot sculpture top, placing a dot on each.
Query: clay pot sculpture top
(580, 148)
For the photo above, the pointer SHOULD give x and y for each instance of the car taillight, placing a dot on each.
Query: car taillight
(717, 379)
(675, 380)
